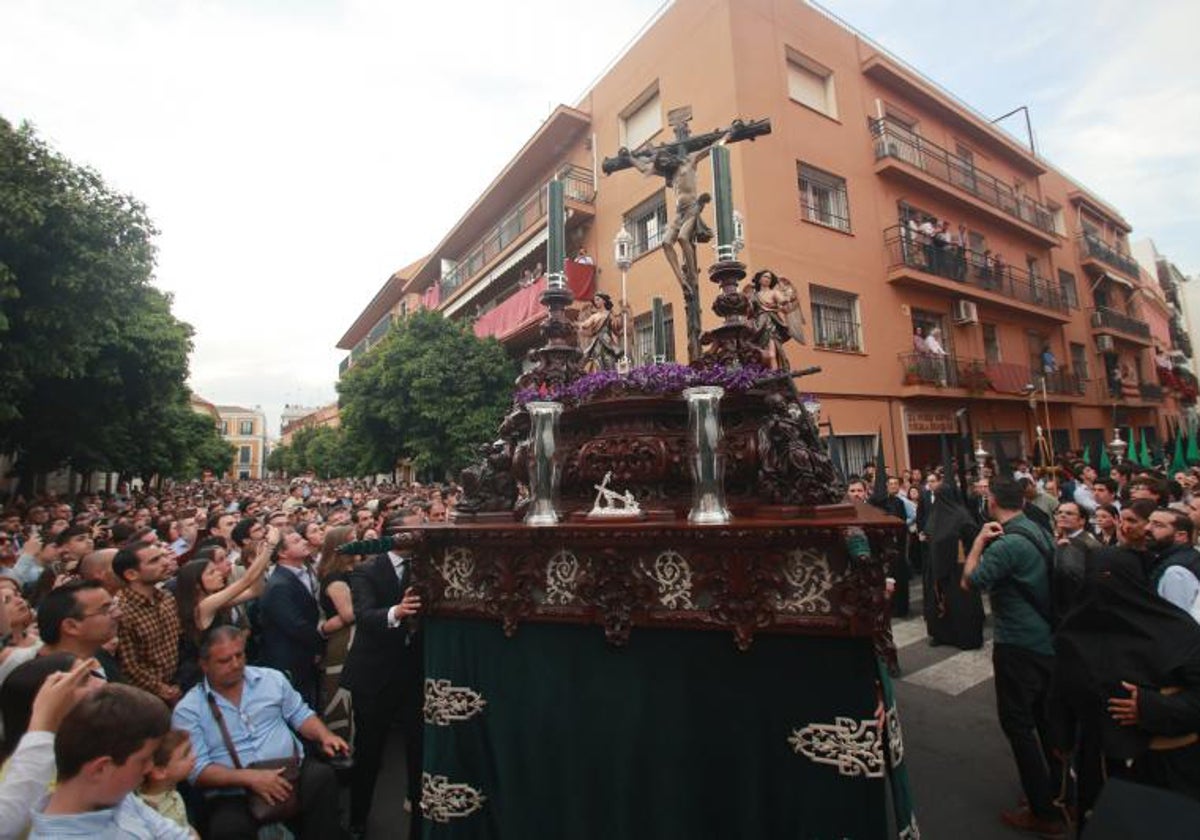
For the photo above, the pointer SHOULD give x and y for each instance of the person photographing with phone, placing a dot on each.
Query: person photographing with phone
(1010, 560)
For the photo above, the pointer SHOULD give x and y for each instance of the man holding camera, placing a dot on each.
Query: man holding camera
(1010, 560)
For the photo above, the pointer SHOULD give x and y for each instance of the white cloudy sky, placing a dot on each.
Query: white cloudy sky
(296, 152)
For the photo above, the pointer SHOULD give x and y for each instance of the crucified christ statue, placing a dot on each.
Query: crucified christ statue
(676, 162)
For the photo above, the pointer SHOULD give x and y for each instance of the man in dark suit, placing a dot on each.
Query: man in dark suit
(384, 672)
(289, 615)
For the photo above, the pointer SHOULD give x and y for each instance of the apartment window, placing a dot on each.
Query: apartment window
(246, 427)
(1066, 285)
(962, 170)
(991, 344)
(642, 119)
(647, 223)
(857, 450)
(1079, 361)
(1057, 220)
(243, 475)
(835, 319)
(977, 244)
(244, 455)
(811, 84)
(224, 427)
(823, 197)
(643, 337)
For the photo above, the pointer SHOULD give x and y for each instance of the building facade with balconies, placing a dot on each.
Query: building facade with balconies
(1034, 291)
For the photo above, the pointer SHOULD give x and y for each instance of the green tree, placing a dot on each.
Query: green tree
(95, 361)
(430, 391)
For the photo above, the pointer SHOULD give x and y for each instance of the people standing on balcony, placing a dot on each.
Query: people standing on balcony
(943, 253)
(927, 229)
(1049, 363)
(933, 346)
(584, 258)
(526, 279)
(999, 270)
(961, 243)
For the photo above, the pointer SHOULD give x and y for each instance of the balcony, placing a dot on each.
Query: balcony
(1065, 383)
(1105, 320)
(978, 376)
(963, 272)
(530, 211)
(1093, 249)
(899, 149)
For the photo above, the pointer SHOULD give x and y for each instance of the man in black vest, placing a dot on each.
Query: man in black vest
(384, 672)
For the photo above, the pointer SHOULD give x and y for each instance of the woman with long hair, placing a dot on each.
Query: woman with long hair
(336, 605)
(205, 597)
(1105, 521)
(314, 534)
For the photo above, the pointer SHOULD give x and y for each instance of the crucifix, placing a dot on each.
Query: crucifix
(676, 163)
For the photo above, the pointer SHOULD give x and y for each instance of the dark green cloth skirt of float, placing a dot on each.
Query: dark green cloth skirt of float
(555, 733)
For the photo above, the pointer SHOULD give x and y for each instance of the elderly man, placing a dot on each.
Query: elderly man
(255, 711)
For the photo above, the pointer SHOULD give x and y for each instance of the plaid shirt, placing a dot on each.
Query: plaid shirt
(149, 639)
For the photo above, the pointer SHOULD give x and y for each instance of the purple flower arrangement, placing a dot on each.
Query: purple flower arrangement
(648, 380)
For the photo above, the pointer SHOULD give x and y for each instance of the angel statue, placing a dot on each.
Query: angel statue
(776, 316)
(599, 334)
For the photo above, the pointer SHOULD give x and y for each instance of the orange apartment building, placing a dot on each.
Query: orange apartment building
(861, 143)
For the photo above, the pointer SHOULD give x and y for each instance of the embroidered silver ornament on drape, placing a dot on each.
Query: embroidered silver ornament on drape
(895, 737)
(910, 831)
(852, 746)
(443, 800)
(457, 567)
(672, 575)
(446, 704)
(809, 581)
(562, 576)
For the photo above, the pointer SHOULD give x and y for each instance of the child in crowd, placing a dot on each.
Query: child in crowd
(173, 761)
(104, 748)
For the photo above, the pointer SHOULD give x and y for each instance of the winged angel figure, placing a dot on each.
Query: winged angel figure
(776, 315)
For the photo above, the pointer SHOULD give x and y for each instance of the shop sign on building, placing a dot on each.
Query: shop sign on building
(921, 421)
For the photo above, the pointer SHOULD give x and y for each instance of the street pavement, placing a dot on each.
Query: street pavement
(960, 768)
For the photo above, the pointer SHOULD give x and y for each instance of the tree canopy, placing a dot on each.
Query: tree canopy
(328, 452)
(95, 362)
(430, 391)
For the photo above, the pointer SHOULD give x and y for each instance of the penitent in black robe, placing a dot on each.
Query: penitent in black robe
(1121, 631)
(952, 616)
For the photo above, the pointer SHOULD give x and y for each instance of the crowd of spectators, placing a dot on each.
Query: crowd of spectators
(202, 661)
(1094, 584)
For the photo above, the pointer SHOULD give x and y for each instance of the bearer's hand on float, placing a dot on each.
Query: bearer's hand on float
(410, 604)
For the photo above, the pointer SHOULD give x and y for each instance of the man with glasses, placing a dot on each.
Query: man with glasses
(80, 618)
(1074, 544)
(149, 620)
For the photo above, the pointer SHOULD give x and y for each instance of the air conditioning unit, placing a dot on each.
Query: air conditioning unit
(965, 312)
(1104, 343)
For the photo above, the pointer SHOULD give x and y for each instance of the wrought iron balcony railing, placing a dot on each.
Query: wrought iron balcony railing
(1097, 248)
(579, 186)
(972, 268)
(1105, 318)
(1151, 391)
(897, 141)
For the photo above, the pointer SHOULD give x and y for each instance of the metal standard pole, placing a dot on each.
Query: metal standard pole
(624, 318)
(1049, 431)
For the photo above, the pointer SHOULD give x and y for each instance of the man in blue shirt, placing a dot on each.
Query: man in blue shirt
(1010, 560)
(263, 715)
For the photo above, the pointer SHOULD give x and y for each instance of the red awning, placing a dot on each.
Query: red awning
(525, 307)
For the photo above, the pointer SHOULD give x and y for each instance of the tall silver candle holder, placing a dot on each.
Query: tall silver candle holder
(704, 456)
(544, 469)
